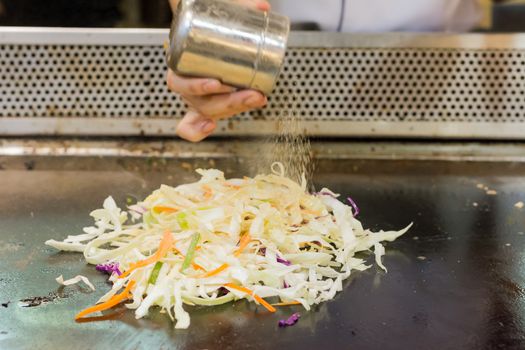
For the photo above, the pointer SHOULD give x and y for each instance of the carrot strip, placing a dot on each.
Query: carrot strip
(235, 187)
(197, 266)
(113, 301)
(290, 303)
(162, 209)
(242, 244)
(214, 272)
(250, 292)
(164, 246)
(208, 192)
(194, 264)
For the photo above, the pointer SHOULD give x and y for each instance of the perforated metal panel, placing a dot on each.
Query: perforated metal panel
(374, 89)
(84, 81)
(397, 85)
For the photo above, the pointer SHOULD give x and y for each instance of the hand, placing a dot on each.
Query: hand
(208, 99)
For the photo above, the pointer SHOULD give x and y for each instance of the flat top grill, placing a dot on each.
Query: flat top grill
(455, 281)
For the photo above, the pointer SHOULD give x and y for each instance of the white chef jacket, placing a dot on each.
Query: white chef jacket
(383, 15)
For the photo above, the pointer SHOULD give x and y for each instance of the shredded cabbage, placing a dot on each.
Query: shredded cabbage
(299, 248)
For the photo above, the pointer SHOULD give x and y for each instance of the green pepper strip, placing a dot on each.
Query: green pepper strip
(155, 273)
(191, 251)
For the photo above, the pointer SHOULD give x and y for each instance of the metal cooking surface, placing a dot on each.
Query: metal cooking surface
(455, 281)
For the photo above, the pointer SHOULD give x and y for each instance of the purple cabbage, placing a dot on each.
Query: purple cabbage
(352, 203)
(286, 285)
(324, 193)
(109, 268)
(283, 261)
(290, 321)
(138, 209)
(222, 292)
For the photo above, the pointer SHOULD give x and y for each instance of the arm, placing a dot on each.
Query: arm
(209, 100)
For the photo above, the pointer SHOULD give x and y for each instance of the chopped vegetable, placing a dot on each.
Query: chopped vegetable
(208, 192)
(164, 247)
(290, 303)
(193, 264)
(214, 272)
(75, 280)
(242, 244)
(137, 209)
(183, 221)
(263, 237)
(191, 251)
(161, 209)
(283, 261)
(113, 301)
(290, 321)
(109, 268)
(155, 273)
(354, 206)
(250, 292)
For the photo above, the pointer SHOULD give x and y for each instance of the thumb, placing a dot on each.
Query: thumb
(173, 4)
(194, 127)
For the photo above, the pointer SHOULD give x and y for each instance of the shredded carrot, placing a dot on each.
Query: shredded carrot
(194, 264)
(235, 187)
(214, 272)
(250, 292)
(162, 209)
(197, 266)
(242, 244)
(208, 192)
(164, 246)
(287, 304)
(113, 301)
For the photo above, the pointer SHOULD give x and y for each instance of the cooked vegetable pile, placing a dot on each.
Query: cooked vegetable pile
(264, 239)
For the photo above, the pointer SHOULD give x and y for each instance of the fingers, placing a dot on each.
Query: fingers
(173, 4)
(258, 4)
(226, 105)
(195, 86)
(195, 127)
(201, 120)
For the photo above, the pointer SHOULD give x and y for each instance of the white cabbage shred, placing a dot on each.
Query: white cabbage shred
(301, 246)
(75, 280)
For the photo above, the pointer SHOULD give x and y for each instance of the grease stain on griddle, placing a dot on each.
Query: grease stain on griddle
(40, 300)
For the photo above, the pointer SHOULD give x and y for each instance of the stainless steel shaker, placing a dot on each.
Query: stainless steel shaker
(221, 39)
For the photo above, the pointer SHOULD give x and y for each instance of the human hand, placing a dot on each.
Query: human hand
(208, 99)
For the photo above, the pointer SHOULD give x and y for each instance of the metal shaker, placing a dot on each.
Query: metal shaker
(221, 39)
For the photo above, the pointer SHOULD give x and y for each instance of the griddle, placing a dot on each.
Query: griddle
(455, 281)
